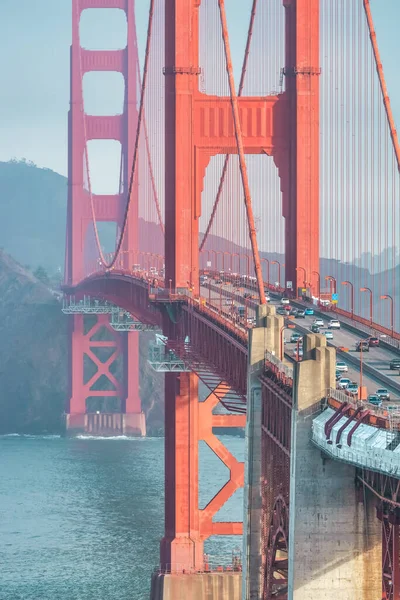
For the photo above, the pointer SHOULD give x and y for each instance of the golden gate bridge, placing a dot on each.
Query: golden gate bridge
(285, 187)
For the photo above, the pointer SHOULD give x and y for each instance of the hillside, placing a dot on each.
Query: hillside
(33, 369)
(33, 205)
(33, 351)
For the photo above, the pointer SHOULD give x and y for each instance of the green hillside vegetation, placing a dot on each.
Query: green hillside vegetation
(33, 205)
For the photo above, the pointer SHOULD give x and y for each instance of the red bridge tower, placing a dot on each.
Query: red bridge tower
(97, 340)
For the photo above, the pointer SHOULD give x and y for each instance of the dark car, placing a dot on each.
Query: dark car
(301, 314)
(362, 345)
(281, 311)
(394, 364)
(294, 311)
(247, 295)
(373, 341)
(374, 399)
(315, 328)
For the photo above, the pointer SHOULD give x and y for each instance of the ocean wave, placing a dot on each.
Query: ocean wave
(114, 437)
(31, 436)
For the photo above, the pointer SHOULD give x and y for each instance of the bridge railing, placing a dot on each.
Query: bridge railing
(278, 365)
(391, 415)
(229, 563)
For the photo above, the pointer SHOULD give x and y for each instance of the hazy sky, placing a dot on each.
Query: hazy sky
(35, 38)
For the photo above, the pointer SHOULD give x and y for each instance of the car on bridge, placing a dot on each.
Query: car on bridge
(285, 301)
(301, 314)
(373, 341)
(394, 364)
(383, 394)
(374, 399)
(319, 322)
(334, 324)
(296, 337)
(343, 383)
(342, 367)
(352, 389)
(328, 334)
(362, 346)
(298, 354)
(315, 328)
(309, 311)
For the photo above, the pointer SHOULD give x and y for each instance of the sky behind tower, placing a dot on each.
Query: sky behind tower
(35, 39)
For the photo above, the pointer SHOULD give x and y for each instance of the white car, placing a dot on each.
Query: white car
(334, 324)
(342, 367)
(319, 322)
(328, 335)
(343, 383)
(267, 298)
(285, 301)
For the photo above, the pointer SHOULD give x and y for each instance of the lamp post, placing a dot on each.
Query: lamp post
(332, 280)
(248, 263)
(223, 260)
(284, 326)
(351, 296)
(267, 261)
(232, 255)
(367, 289)
(305, 277)
(276, 262)
(318, 284)
(388, 297)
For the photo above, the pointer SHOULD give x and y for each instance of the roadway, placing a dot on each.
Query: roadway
(378, 358)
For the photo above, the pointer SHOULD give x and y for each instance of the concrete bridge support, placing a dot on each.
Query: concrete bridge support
(334, 537)
(266, 336)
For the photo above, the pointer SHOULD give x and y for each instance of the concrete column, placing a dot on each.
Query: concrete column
(266, 336)
(334, 539)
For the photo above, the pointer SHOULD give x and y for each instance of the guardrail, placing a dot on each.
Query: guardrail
(229, 563)
(382, 412)
(283, 368)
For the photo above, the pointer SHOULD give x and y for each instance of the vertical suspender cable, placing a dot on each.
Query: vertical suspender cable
(227, 157)
(242, 161)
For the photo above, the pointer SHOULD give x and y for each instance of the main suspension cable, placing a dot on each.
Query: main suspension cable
(382, 82)
(242, 160)
(135, 154)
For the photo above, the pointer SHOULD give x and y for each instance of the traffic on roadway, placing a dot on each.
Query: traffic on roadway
(380, 366)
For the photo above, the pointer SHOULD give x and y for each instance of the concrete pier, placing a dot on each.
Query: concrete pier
(335, 549)
(266, 336)
(106, 424)
(197, 586)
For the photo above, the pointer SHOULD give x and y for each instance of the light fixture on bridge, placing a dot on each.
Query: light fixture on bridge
(86, 306)
(164, 360)
(122, 320)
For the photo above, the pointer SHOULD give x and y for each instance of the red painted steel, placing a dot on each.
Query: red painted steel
(108, 208)
(198, 127)
(86, 339)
